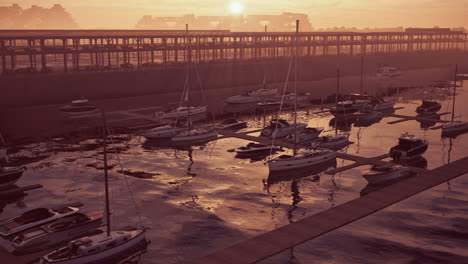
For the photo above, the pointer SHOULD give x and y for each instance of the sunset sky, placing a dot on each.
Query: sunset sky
(322, 13)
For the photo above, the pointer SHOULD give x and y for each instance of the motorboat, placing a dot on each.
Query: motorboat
(166, 131)
(280, 128)
(181, 112)
(101, 248)
(305, 135)
(244, 98)
(34, 218)
(454, 128)
(331, 141)
(9, 176)
(379, 104)
(428, 107)
(387, 72)
(56, 232)
(80, 108)
(409, 147)
(301, 160)
(381, 174)
(263, 92)
(194, 136)
(343, 109)
(254, 149)
(231, 124)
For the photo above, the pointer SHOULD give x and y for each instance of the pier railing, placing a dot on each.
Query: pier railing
(31, 51)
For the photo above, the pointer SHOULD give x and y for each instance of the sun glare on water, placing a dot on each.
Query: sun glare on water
(236, 8)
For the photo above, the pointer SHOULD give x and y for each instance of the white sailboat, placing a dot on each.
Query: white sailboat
(191, 136)
(107, 247)
(264, 92)
(454, 128)
(79, 109)
(336, 141)
(304, 159)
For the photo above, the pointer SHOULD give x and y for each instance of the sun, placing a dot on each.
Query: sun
(236, 8)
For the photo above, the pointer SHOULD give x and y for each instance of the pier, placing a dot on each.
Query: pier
(263, 246)
(31, 51)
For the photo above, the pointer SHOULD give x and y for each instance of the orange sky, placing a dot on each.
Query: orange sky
(322, 13)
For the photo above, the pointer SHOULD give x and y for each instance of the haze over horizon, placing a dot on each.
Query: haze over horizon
(124, 14)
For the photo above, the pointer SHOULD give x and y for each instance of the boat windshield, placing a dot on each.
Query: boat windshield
(35, 215)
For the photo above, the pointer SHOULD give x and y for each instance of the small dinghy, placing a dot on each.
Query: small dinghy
(80, 109)
(382, 174)
(231, 124)
(409, 147)
(34, 218)
(9, 176)
(428, 107)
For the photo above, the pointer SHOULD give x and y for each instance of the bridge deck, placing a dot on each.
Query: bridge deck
(261, 247)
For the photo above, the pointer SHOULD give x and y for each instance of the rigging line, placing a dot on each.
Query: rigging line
(125, 176)
(282, 102)
(200, 83)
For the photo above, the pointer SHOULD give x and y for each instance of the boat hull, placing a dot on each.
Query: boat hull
(299, 163)
(397, 154)
(163, 132)
(113, 255)
(195, 138)
(182, 112)
(8, 178)
(282, 131)
(379, 178)
(448, 130)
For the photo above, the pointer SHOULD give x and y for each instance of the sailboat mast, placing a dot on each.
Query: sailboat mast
(336, 97)
(454, 91)
(189, 121)
(106, 177)
(295, 86)
(362, 71)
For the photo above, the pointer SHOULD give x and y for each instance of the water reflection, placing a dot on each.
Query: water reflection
(343, 124)
(17, 198)
(426, 124)
(275, 177)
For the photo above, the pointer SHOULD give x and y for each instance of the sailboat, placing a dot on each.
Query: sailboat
(304, 159)
(192, 135)
(454, 128)
(335, 141)
(264, 91)
(106, 247)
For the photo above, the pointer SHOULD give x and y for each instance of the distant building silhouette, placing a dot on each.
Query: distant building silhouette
(285, 22)
(36, 17)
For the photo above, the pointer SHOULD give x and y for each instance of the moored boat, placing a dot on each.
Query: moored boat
(34, 218)
(280, 128)
(305, 135)
(181, 111)
(194, 136)
(334, 142)
(56, 232)
(9, 176)
(387, 72)
(409, 147)
(244, 98)
(80, 109)
(382, 174)
(300, 160)
(343, 109)
(454, 128)
(428, 107)
(254, 149)
(263, 92)
(166, 131)
(379, 104)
